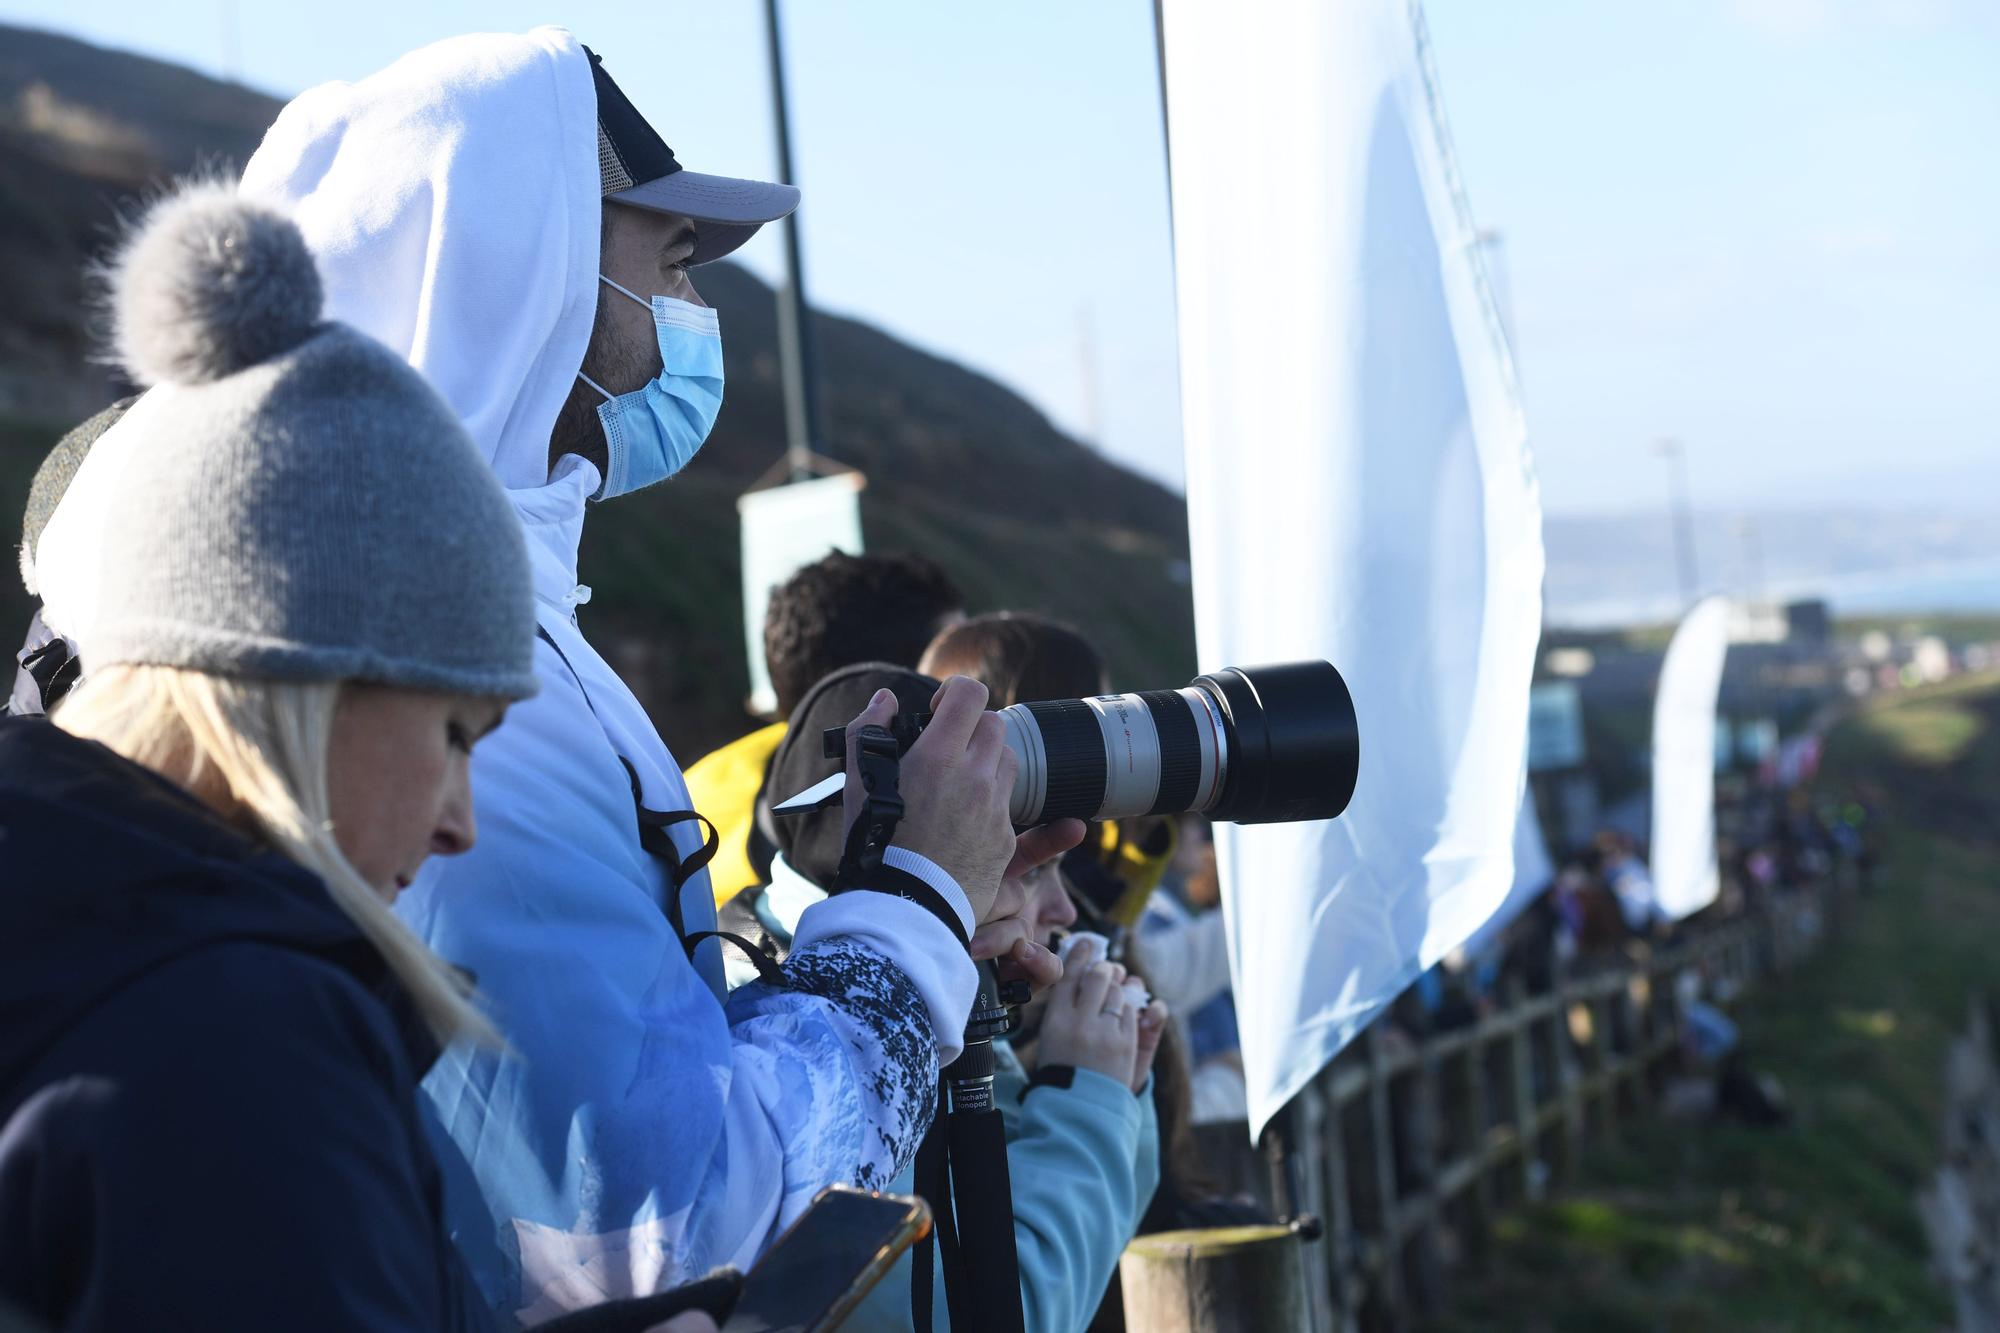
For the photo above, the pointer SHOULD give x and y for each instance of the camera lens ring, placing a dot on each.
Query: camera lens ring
(1213, 730)
(1077, 764)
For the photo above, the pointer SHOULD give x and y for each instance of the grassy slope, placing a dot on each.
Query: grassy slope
(1709, 1227)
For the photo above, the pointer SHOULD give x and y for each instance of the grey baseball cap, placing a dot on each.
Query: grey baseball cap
(640, 170)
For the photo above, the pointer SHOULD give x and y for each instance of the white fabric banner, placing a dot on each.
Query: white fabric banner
(784, 529)
(1359, 489)
(1683, 864)
(1533, 871)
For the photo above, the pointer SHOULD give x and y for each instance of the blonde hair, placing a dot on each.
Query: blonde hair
(265, 744)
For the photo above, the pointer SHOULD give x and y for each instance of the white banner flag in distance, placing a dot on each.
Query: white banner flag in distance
(1359, 489)
(1683, 861)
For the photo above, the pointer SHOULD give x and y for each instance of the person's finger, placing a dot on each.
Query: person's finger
(880, 710)
(1038, 846)
(1036, 964)
(955, 710)
(986, 744)
(1128, 1022)
(1091, 991)
(1154, 1018)
(1007, 768)
(1117, 974)
(1011, 900)
(996, 939)
(1073, 969)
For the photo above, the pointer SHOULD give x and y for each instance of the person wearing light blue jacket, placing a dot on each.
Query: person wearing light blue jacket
(1083, 1141)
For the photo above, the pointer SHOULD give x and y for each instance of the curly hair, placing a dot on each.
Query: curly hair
(845, 609)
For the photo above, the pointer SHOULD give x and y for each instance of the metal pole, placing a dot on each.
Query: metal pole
(1676, 457)
(803, 435)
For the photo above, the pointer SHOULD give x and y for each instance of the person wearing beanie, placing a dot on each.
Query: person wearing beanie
(496, 211)
(211, 1021)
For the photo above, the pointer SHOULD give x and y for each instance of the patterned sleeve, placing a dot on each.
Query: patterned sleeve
(883, 1048)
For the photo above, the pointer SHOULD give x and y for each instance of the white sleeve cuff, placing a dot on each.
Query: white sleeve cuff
(933, 874)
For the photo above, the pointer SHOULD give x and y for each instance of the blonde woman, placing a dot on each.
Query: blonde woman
(211, 1023)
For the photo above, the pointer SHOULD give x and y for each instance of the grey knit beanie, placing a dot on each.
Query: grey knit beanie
(303, 506)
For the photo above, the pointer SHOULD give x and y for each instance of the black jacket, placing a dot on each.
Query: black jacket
(208, 1111)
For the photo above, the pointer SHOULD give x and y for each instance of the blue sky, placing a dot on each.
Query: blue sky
(1763, 226)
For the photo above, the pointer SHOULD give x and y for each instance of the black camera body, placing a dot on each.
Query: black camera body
(903, 728)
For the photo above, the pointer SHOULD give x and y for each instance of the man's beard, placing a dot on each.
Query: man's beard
(578, 430)
(611, 361)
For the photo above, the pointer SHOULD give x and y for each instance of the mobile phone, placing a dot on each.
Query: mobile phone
(818, 1271)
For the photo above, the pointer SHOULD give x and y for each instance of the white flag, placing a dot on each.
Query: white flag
(1533, 872)
(1684, 871)
(1359, 489)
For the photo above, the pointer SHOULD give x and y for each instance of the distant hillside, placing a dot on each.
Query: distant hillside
(958, 467)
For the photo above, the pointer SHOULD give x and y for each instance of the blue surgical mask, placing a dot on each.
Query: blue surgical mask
(653, 431)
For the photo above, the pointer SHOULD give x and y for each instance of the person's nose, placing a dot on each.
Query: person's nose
(1058, 911)
(456, 829)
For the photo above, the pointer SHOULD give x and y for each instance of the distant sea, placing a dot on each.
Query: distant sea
(1965, 586)
(1960, 587)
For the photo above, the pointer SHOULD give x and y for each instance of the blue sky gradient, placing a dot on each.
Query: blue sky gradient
(1763, 226)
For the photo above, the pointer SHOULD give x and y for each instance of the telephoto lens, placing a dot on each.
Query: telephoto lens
(1251, 745)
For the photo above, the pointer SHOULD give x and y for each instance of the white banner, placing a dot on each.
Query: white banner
(1359, 489)
(1533, 872)
(786, 528)
(1683, 864)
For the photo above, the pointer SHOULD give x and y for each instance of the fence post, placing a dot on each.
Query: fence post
(1302, 1149)
(1600, 1045)
(1426, 1128)
(1563, 1050)
(1382, 1148)
(1231, 1280)
(1339, 1242)
(1482, 1180)
(1526, 1114)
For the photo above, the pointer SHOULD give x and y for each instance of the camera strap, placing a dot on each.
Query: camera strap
(861, 864)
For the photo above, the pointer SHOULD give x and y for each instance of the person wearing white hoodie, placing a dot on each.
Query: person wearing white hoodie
(637, 1133)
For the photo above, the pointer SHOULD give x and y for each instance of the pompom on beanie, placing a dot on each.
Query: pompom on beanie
(303, 505)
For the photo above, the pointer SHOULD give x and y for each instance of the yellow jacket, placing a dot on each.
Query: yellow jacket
(724, 786)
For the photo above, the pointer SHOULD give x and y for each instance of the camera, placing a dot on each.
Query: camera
(1251, 745)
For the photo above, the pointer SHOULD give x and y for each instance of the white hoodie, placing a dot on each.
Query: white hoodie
(642, 1135)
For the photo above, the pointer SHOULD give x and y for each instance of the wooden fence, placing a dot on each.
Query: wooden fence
(1407, 1152)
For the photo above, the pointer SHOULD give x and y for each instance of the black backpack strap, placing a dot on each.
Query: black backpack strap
(767, 967)
(653, 836)
(654, 839)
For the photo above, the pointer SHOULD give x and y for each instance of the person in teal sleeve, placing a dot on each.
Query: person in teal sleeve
(1083, 1140)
